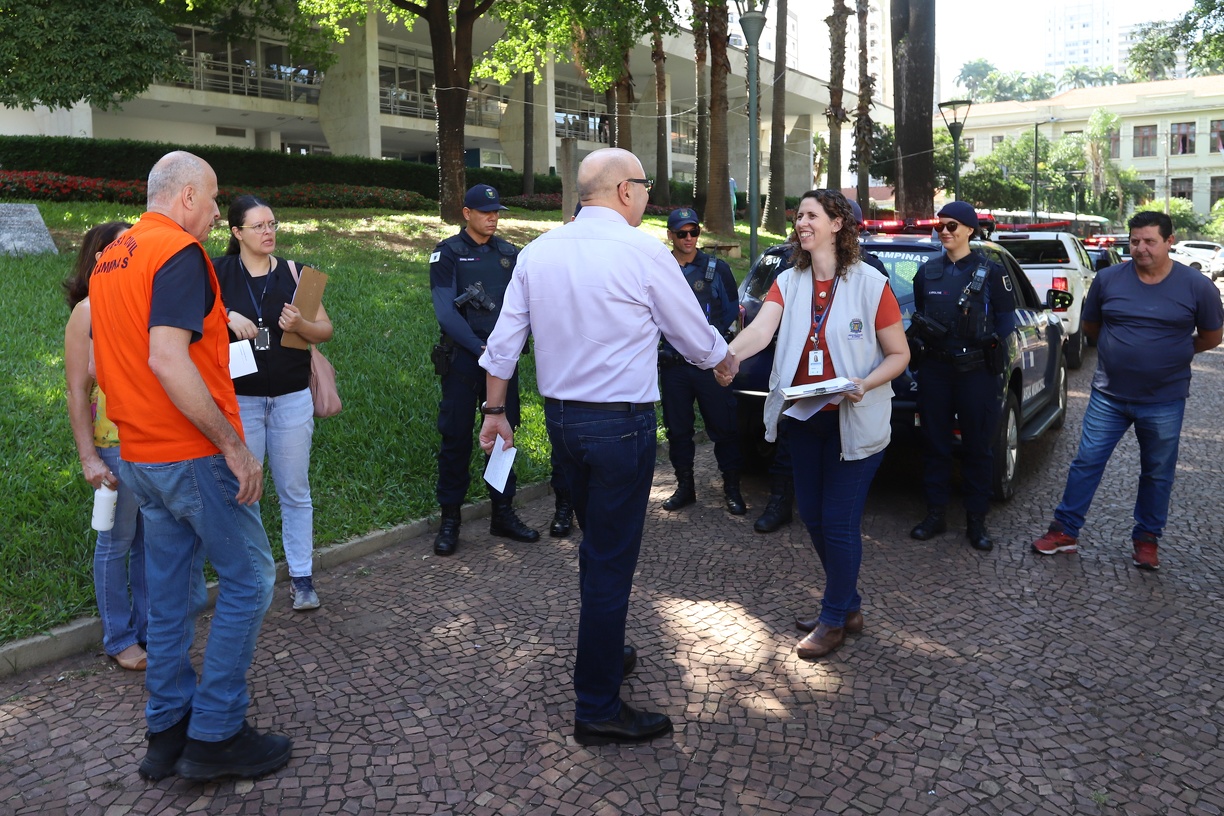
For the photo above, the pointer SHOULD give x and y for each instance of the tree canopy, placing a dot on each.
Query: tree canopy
(1200, 31)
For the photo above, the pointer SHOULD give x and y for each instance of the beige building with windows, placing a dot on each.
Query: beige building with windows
(1171, 133)
(376, 101)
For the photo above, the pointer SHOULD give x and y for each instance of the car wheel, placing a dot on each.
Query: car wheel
(1074, 349)
(1061, 419)
(1007, 450)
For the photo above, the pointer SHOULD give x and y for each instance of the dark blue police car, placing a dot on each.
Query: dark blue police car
(1035, 390)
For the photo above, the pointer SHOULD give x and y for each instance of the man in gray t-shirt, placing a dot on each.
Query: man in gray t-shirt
(1150, 317)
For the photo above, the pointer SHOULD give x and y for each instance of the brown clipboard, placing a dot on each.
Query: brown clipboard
(307, 298)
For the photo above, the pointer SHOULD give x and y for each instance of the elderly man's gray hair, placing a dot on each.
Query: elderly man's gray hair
(171, 174)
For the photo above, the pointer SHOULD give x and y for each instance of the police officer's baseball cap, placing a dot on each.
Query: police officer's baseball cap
(858, 212)
(962, 211)
(682, 216)
(484, 198)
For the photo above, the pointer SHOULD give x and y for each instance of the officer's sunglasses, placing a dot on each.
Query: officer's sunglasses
(948, 226)
(689, 233)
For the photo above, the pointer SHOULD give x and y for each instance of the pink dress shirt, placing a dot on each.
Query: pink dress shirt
(596, 293)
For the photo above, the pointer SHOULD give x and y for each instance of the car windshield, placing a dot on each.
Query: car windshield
(1029, 251)
(902, 266)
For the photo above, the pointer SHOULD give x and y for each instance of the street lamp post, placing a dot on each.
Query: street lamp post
(958, 109)
(752, 20)
(1077, 177)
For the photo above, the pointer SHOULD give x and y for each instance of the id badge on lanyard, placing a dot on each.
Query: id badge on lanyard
(816, 355)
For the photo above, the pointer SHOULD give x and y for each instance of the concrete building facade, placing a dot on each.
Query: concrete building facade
(376, 101)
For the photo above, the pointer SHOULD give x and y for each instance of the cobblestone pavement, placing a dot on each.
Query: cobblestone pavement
(1003, 683)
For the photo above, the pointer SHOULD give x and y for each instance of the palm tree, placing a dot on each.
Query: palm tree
(1040, 86)
(1154, 53)
(775, 205)
(1077, 76)
(913, 41)
(973, 74)
(835, 113)
(702, 181)
(1098, 137)
(661, 192)
(719, 215)
(862, 117)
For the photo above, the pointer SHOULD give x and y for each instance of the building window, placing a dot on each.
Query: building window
(494, 158)
(995, 141)
(1217, 136)
(1145, 140)
(1182, 188)
(1217, 189)
(684, 132)
(1115, 144)
(1150, 195)
(1181, 139)
(261, 67)
(968, 145)
(405, 82)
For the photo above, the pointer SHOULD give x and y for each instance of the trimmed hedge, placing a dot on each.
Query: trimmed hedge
(39, 186)
(128, 160)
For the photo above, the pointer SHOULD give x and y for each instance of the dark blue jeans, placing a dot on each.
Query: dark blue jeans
(607, 459)
(679, 386)
(830, 493)
(1158, 429)
(463, 389)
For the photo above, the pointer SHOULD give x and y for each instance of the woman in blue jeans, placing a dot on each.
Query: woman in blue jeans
(274, 402)
(119, 568)
(835, 317)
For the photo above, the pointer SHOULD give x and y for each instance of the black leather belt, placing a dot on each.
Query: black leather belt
(623, 407)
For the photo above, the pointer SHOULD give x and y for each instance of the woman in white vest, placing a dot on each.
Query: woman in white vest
(835, 317)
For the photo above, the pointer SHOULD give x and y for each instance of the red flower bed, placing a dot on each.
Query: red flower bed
(42, 186)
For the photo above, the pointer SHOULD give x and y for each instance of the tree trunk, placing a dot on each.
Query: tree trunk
(701, 184)
(913, 33)
(718, 215)
(452, 76)
(661, 193)
(836, 114)
(775, 206)
(529, 133)
(624, 106)
(862, 119)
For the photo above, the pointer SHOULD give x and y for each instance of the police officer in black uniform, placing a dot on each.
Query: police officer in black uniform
(680, 382)
(468, 275)
(964, 313)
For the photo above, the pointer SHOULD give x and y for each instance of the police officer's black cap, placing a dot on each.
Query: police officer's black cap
(484, 198)
(962, 211)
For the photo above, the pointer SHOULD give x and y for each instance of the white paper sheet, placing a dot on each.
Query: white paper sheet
(500, 462)
(806, 408)
(833, 386)
(242, 359)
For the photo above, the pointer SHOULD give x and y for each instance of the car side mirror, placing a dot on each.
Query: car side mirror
(1057, 299)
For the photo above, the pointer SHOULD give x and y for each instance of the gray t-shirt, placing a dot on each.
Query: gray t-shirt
(1147, 341)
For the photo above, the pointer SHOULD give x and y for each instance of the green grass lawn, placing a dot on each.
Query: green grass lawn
(373, 465)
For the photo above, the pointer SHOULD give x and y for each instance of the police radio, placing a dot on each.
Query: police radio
(975, 286)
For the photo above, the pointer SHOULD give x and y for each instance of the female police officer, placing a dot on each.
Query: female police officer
(964, 315)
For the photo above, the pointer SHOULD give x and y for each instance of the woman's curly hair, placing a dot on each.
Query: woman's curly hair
(846, 245)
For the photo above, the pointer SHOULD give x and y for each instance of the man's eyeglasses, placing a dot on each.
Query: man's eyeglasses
(647, 183)
(948, 226)
(689, 233)
(262, 226)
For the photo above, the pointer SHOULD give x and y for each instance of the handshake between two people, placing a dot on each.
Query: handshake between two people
(725, 371)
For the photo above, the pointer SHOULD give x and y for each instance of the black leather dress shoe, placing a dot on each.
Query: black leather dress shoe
(630, 661)
(628, 726)
(935, 523)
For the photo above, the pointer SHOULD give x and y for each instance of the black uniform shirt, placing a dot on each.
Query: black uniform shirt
(999, 297)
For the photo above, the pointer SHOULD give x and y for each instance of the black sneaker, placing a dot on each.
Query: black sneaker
(246, 755)
(165, 748)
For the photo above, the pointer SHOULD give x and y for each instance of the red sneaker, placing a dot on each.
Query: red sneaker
(1055, 541)
(1145, 554)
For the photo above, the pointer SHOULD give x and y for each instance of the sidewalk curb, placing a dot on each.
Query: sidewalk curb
(85, 634)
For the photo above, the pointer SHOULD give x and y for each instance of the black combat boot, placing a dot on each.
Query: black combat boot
(731, 491)
(506, 523)
(563, 517)
(975, 531)
(936, 522)
(686, 491)
(778, 508)
(447, 539)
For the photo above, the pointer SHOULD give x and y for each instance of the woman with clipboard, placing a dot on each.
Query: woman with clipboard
(274, 401)
(835, 316)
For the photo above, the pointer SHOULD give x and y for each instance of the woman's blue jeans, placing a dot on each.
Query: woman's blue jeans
(830, 493)
(191, 514)
(119, 570)
(1158, 429)
(283, 428)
